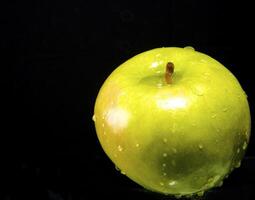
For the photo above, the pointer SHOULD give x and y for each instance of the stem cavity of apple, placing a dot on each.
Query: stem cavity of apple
(169, 72)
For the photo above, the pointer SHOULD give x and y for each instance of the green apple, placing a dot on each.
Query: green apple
(174, 120)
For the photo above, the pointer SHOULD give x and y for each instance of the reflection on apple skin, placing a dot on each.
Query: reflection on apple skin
(117, 118)
(172, 103)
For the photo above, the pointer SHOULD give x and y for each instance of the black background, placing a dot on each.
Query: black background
(59, 53)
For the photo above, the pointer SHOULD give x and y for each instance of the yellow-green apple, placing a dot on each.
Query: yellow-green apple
(174, 120)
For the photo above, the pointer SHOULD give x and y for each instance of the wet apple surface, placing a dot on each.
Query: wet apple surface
(174, 120)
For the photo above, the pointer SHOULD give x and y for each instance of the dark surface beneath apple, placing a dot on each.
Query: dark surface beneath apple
(58, 54)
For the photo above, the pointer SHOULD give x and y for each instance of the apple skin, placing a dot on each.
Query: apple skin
(181, 138)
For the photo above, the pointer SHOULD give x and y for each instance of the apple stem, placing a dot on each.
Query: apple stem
(169, 72)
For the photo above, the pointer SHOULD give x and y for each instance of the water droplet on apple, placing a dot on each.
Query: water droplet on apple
(203, 61)
(231, 169)
(200, 194)
(244, 145)
(159, 85)
(158, 55)
(104, 133)
(137, 145)
(164, 154)
(122, 172)
(213, 116)
(200, 146)
(120, 148)
(174, 150)
(238, 164)
(245, 94)
(155, 64)
(164, 164)
(94, 118)
(189, 48)
(173, 162)
(218, 130)
(164, 174)
(118, 169)
(210, 180)
(206, 76)
(178, 196)
(199, 91)
(172, 183)
(161, 183)
(216, 178)
(188, 196)
(220, 184)
(246, 132)
(103, 125)
(165, 140)
(238, 150)
(225, 109)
